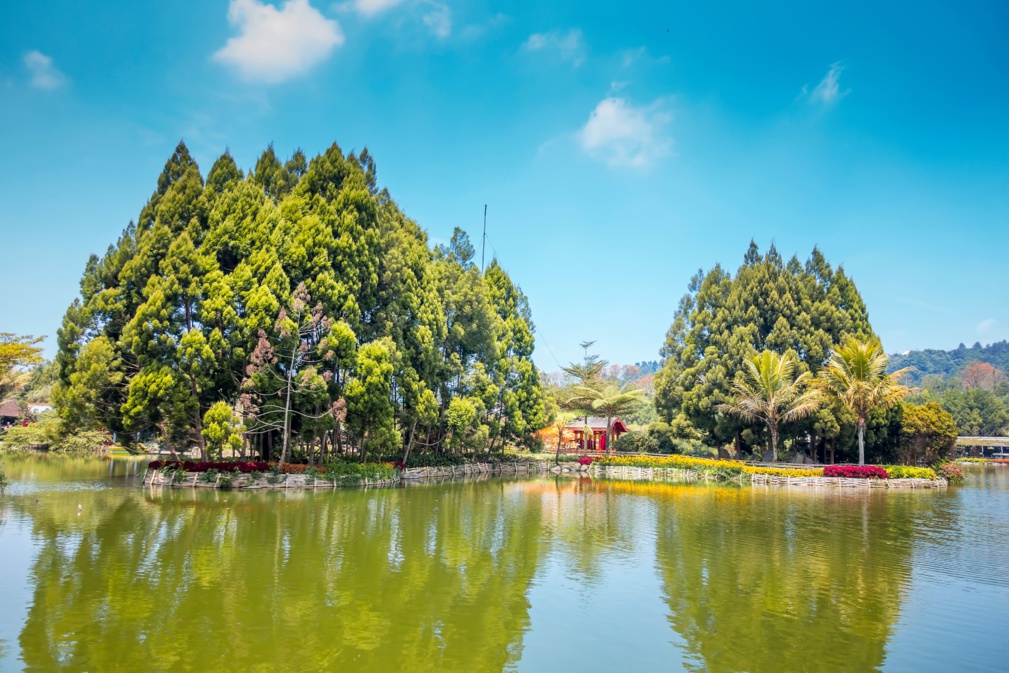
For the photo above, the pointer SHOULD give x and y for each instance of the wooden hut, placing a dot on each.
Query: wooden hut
(590, 433)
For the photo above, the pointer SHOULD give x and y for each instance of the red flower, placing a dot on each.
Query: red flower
(855, 471)
(585, 460)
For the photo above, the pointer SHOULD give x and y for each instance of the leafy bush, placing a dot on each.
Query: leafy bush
(635, 442)
(209, 476)
(855, 471)
(585, 460)
(433, 459)
(85, 441)
(905, 472)
(951, 472)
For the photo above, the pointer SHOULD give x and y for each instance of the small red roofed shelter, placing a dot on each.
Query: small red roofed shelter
(590, 433)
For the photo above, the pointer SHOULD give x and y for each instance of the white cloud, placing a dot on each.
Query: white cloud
(373, 7)
(435, 15)
(622, 134)
(569, 46)
(273, 44)
(986, 325)
(828, 91)
(44, 75)
(439, 20)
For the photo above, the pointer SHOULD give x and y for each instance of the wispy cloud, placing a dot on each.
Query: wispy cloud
(625, 135)
(438, 19)
(434, 14)
(828, 92)
(477, 30)
(44, 75)
(373, 7)
(274, 45)
(567, 45)
(631, 57)
(986, 325)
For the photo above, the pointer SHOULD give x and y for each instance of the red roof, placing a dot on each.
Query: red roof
(597, 424)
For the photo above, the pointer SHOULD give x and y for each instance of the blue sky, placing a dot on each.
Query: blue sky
(619, 146)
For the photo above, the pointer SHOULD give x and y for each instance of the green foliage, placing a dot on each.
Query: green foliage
(44, 432)
(856, 378)
(4, 483)
(435, 459)
(302, 297)
(947, 364)
(786, 307)
(222, 430)
(927, 434)
(768, 390)
(350, 473)
(83, 441)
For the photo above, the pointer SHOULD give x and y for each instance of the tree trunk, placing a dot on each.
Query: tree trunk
(861, 442)
(774, 444)
(560, 437)
(198, 421)
(609, 433)
(287, 405)
(409, 443)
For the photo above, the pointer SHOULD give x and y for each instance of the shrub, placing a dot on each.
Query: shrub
(433, 459)
(905, 472)
(855, 471)
(585, 460)
(951, 472)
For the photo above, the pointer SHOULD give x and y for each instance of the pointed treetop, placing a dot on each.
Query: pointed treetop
(223, 172)
(175, 167)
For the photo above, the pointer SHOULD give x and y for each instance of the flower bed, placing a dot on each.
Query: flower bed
(784, 471)
(984, 461)
(203, 466)
(338, 471)
(905, 472)
(855, 471)
(951, 472)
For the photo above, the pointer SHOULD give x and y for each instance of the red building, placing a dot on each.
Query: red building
(596, 441)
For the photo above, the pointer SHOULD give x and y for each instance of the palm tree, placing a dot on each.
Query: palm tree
(768, 390)
(856, 376)
(609, 401)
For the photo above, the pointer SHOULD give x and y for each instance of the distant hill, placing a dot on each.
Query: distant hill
(930, 362)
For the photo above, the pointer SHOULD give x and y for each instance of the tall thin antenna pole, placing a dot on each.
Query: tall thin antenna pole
(483, 244)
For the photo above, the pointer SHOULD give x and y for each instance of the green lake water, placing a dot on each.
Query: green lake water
(498, 575)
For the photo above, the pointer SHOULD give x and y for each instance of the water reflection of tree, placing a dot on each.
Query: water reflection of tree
(425, 579)
(778, 581)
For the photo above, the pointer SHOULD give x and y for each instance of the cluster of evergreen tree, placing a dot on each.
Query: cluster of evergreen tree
(297, 307)
(795, 308)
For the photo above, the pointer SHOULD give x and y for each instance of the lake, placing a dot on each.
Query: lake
(545, 574)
